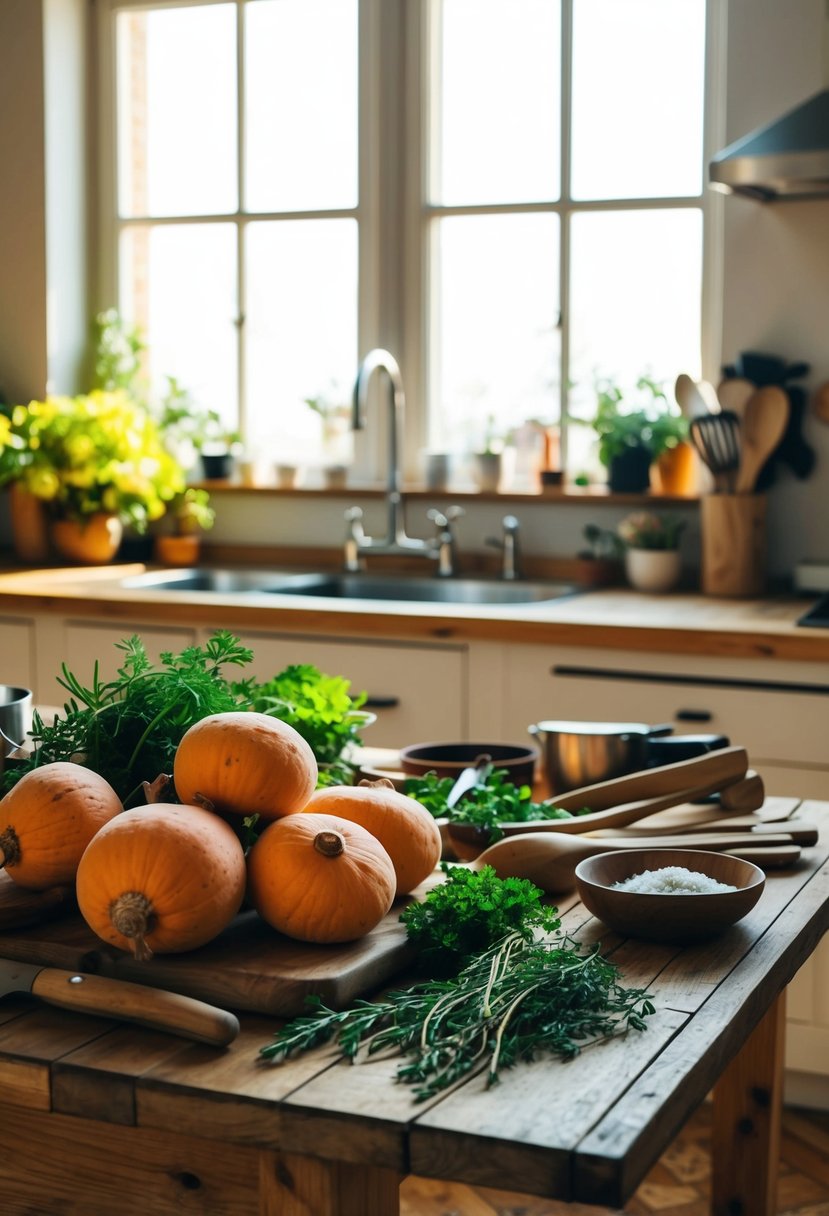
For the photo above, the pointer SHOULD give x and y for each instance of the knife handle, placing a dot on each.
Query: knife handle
(151, 1007)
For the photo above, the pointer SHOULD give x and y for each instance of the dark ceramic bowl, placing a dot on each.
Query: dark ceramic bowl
(675, 919)
(450, 759)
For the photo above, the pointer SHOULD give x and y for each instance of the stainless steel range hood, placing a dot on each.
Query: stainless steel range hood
(788, 159)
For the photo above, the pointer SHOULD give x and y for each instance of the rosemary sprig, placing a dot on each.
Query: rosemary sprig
(511, 1002)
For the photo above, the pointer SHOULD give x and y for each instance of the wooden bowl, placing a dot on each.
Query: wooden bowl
(450, 759)
(677, 919)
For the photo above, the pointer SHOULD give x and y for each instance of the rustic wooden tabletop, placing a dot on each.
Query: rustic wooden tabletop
(103, 1118)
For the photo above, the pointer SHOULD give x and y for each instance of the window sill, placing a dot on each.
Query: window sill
(595, 495)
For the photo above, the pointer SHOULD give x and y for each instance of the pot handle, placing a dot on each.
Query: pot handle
(533, 730)
(658, 732)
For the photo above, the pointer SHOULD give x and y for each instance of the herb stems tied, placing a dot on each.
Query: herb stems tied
(511, 1002)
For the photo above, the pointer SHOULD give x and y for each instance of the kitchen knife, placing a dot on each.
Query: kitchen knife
(102, 997)
(468, 778)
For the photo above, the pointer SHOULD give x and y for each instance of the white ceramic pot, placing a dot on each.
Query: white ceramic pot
(653, 570)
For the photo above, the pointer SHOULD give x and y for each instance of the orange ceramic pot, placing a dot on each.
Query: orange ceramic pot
(30, 527)
(676, 471)
(177, 550)
(93, 540)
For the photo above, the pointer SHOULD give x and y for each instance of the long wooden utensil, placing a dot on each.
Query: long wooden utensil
(102, 997)
(724, 766)
(776, 858)
(765, 418)
(550, 860)
(801, 833)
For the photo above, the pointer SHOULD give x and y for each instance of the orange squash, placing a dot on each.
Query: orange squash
(245, 763)
(319, 878)
(161, 879)
(48, 818)
(404, 827)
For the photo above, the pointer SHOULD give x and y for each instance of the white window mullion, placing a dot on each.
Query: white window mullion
(241, 227)
(564, 231)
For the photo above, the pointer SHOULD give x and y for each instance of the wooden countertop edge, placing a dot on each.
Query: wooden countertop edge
(621, 622)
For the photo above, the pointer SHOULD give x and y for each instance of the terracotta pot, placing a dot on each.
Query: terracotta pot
(177, 550)
(30, 526)
(94, 540)
(676, 471)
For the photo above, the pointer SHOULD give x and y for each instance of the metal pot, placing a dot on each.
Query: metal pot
(582, 753)
(15, 719)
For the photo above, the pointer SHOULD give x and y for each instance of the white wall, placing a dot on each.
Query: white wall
(776, 284)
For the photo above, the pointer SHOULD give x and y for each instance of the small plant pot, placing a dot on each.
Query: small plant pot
(92, 541)
(653, 570)
(597, 572)
(217, 466)
(630, 472)
(488, 470)
(177, 550)
(676, 471)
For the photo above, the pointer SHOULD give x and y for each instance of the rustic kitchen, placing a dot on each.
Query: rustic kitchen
(414, 607)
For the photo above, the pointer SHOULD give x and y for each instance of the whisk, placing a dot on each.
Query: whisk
(717, 439)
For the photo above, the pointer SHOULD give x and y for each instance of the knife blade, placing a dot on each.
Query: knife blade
(468, 778)
(154, 1008)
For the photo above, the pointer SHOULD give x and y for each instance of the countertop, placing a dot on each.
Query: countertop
(612, 618)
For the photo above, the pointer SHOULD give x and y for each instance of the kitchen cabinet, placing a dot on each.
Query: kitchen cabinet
(418, 692)
(17, 646)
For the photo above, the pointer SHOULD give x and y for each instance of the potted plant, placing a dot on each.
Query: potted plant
(631, 439)
(488, 459)
(600, 563)
(96, 462)
(335, 423)
(189, 514)
(651, 549)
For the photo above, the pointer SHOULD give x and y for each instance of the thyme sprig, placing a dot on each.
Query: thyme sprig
(512, 1002)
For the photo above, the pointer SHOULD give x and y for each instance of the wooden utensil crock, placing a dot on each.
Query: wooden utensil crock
(733, 528)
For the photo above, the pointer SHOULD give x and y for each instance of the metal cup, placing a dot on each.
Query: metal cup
(15, 717)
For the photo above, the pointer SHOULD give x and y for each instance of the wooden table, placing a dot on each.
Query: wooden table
(98, 1119)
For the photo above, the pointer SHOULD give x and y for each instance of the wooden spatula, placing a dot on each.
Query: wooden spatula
(765, 418)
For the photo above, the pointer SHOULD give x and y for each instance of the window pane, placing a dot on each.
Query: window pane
(637, 98)
(498, 96)
(497, 336)
(301, 97)
(179, 284)
(177, 111)
(635, 304)
(301, 334)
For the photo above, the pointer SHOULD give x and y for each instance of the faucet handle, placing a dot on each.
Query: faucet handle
(352, 514)
(444, 519)
(510, 524)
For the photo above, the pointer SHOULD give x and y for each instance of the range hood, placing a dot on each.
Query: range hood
(788, 159)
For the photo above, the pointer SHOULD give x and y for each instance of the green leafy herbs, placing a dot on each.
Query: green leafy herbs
(486, 806)
(128, 729)
(469, 912)
(512, 1002)
(320, 708)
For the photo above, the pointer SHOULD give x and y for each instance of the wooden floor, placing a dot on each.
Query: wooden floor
(676, 1186)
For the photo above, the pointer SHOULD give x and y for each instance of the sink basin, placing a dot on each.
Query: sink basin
(341, 586)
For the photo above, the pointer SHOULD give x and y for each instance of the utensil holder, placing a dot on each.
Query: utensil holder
(733, 530)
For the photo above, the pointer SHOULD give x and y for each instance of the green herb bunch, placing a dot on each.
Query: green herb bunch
(486, 806)
(511, 1002)
(319, 707)
(128, 729)
(469, 912)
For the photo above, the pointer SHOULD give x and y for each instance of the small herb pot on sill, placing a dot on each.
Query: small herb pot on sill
(630, 471)
(654, 571)
(217, 466)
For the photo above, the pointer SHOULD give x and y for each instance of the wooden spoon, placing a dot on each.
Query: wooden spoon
(688, 397)
(764, 422)
(734, 393)
(549, 860)
(820, 402)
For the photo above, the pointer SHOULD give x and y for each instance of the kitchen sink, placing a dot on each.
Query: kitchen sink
(342, 586)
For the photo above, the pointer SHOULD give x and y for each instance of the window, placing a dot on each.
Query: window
(506, 193)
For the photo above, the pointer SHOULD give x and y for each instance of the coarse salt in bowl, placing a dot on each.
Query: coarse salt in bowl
(664, 915)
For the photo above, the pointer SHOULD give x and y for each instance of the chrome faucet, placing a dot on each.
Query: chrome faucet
(510, 549)
(442, 547)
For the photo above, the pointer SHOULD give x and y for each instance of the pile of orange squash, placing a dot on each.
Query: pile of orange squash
(169, 877)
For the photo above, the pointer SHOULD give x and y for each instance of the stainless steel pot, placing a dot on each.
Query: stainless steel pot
(15, 718)
(582, 753)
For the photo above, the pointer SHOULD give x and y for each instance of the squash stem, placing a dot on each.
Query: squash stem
(330, 844)
(133, 917)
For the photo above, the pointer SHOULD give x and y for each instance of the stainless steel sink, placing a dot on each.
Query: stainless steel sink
(342, 586)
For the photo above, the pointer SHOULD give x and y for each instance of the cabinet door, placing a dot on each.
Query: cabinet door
(782, 722)
(17, 650)
(416, 691)
(83, 643)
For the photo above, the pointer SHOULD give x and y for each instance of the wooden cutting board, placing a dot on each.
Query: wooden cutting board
(19, 907)
(248, 967)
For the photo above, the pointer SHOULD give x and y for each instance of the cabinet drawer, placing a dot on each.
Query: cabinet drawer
(17, 650)
(785, 723)
(83, 643)
(416, 691)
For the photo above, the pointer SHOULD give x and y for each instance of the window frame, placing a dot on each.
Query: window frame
(397, 39)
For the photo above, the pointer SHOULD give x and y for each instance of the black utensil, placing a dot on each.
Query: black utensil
(717, 439)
